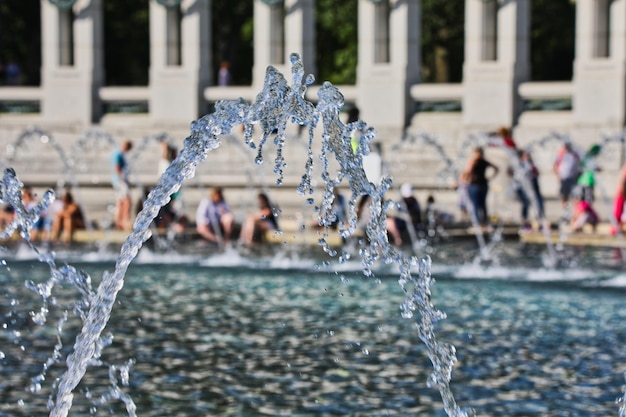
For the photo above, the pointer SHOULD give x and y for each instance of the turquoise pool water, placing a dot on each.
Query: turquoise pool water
(287, 334)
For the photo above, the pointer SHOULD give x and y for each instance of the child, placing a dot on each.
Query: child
(583, 214)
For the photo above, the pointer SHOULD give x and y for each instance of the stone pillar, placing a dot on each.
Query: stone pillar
(280, 29)
(389, 61)
(497, 60)
(600, 64)
(72, 62)
(180, 60)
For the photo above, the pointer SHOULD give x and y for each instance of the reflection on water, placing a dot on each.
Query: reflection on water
(294, 340)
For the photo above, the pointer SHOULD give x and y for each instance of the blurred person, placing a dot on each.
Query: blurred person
(13, 73)
(69, 219)
(339, 211)
(166, 216)
(619, 201)
(169, 152)
(175, 207)
(121, 186)
(434, 215)
(518, 180)
(583, 213)
(409, 212)
(507, 137)
(355, 139)
(214, 220)
(258, 224)
(475, 176)
(223, 74)
(7, 216)
(531, 173)
(364, 215)
(30, 202)
(588, 168)
(566, 167)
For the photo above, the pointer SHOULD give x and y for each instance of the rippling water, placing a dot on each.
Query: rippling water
(279, 335)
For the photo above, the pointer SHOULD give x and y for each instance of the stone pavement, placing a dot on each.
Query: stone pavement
(292, 233)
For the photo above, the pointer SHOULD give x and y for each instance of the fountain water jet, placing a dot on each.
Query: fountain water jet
(277, 104)
(39, 136)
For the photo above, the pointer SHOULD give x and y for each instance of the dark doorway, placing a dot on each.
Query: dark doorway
(126, 42)
(20, 42)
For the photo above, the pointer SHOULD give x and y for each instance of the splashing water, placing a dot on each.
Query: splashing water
(276, 105)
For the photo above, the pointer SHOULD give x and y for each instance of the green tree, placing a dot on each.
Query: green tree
(443, 26)
(337, 42)
(552, 39)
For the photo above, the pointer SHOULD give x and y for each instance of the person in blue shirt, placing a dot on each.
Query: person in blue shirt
(121, 186)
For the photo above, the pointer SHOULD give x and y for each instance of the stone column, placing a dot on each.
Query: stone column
(600, 64)
(180, 63)
(389, 61)
(280, 29)
(72, 62)
(497, 60)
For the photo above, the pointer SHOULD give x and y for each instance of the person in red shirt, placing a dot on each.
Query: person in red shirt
(618, 202)
(507, 137)
(584, 213)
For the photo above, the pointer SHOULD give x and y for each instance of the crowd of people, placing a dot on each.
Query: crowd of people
(216, 223)
(57, 223)
(574, 170)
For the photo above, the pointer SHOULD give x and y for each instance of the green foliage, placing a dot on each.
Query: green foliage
(552, 39)
(443, 26)
(337, 40)
(127, 52)
(337, 43)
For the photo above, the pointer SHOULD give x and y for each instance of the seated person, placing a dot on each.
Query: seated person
(69, 219)
(409, 211)
(30, 202)
(7, 216)
(214, 220)
(339, 211)
(583, 213)
(364, 215)
(167, 216)
(435, 216)
(261, 222)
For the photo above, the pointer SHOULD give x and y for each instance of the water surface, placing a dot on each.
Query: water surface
(291, 338)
